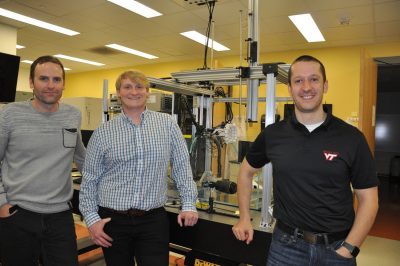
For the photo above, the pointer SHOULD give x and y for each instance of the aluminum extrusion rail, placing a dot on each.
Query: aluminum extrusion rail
(228, 76)
(175, 87)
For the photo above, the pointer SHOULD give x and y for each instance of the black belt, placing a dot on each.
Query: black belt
(310, 237)
(132, 212)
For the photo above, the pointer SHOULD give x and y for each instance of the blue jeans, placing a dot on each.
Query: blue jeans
(27, 237)
(288, 250)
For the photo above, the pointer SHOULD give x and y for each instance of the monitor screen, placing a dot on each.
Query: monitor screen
(9, 67)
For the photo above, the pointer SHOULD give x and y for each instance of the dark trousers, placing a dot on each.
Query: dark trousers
(27, 236)
(144, 238)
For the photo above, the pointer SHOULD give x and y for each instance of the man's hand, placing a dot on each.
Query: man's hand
(5, 210)
(187, 218)
(243, 231)
(97, 233)
(344, 252)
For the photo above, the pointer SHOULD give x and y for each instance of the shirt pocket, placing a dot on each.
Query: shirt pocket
(70, 136)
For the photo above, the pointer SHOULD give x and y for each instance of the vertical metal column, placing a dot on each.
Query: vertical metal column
(209, 114)
(253, 57)
(174, 116)
(266, 211)
(105, 101)
(207, 159)
(201, 106)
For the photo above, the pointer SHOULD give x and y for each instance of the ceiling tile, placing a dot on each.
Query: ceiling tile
(101, 22)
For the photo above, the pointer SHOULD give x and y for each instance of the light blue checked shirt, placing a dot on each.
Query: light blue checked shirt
(126, 166)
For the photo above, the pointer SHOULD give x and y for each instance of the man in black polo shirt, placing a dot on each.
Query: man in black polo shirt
(316, 159)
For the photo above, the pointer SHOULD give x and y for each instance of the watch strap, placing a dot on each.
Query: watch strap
(354, 250)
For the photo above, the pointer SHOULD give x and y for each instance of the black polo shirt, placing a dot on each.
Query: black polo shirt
(312, 172)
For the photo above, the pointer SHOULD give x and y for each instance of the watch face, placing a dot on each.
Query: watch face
(355, 251)
(352, 249)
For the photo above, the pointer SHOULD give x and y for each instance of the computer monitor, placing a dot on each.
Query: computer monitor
(9, 67)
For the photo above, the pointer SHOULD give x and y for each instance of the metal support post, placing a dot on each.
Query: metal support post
(209, 114)
(201, 106)
(253, 56)
(105, 101)
(207, 103)
(174, 116)
(266, 215)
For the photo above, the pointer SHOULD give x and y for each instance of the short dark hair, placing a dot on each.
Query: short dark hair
(45, 59)
(307, 58)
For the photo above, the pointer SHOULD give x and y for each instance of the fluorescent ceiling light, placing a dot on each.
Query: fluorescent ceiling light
(20, 46)
(78, 60)
(307, 26)
(200, 38)
(130, 51)
(31, 62)
(137, 8)
(36, 22)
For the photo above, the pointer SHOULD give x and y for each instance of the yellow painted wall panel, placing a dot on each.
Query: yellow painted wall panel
(342, 66)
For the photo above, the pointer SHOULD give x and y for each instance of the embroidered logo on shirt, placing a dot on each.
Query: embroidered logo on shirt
(330, 155)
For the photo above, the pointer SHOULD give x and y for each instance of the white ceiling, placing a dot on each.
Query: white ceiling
(101, 22)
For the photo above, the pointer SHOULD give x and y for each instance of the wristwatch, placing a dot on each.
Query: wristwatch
(353, 249)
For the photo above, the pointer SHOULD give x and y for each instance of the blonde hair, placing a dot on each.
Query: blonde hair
(133, 75)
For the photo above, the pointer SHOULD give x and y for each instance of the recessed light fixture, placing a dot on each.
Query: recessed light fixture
(130, 51)
(31, 62)
(137, 8)
(307, 26)
(36, 22)
(27, 61)
(200, 38)
(76, 59)
(20, 46)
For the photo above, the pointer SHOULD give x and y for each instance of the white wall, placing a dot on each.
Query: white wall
(23, 79)
(91, 109)
(8, 45)
(8, 39)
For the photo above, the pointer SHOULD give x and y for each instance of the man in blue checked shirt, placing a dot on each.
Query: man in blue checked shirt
(124, 186)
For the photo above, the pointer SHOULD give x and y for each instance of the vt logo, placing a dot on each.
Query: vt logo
(330, 155)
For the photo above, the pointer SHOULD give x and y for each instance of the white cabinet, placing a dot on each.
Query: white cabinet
(91, 109)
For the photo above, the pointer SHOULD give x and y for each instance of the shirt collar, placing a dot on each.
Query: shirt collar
(293, 120)
(143, 115)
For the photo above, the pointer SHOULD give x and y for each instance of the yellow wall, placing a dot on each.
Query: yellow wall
(342, 66)
(90, 84)
(384, 49)
(343, 72)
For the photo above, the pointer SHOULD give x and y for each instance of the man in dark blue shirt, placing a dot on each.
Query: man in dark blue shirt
(317, 159)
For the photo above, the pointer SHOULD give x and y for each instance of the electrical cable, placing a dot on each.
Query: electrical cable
(219, 91)
(218, 144)
(199, 129)
(210, 6)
